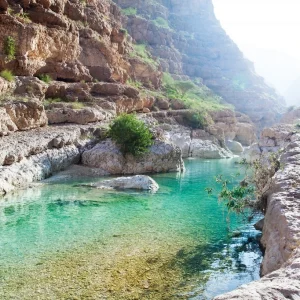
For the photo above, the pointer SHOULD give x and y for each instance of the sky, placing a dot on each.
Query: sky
(268, 32)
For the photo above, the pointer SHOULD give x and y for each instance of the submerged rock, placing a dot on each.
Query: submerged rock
(138, 182)
(162, 157)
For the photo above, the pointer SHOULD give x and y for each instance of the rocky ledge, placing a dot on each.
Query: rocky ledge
(281, 234)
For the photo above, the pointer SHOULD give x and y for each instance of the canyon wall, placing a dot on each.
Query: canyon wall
(281, 229)
(189, 41)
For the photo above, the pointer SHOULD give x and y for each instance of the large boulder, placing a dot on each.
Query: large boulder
(276, 136)
(138, 182)
(207, 149)
(162, 157)
(30, 86)
(27, 115)
(245, 134)
(234, 146)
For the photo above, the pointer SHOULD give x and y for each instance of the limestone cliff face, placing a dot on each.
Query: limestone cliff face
(70, 40)
(190, 41)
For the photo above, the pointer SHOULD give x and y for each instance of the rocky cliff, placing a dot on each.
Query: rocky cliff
(189, 40)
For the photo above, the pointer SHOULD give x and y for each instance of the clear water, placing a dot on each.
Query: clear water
(62, 241)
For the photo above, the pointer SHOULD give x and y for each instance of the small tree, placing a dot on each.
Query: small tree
(131, 134)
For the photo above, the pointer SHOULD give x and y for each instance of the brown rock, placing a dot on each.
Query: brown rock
(162, 103)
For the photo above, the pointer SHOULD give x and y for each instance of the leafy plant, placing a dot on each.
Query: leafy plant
(8, 75)
(45, 77)
(252, 189)
(129, 11)
(131, 134)
(10, 47)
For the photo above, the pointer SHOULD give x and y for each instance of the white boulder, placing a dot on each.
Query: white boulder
(138, 182)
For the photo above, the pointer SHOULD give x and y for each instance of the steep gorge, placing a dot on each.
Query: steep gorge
(104, 58)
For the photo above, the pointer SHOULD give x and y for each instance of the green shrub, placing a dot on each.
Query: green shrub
(161, 22)
(8, 75)
(45, 77)
(131, 134)
(140, 51)
(192, 94)
(10, 47)
(129, 11)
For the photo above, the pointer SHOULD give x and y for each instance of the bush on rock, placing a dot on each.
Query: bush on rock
(131, 134)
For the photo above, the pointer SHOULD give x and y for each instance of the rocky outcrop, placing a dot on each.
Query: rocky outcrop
(34, 155)
(138, 182)
(162, 157)
(20, 145)
(281, 234)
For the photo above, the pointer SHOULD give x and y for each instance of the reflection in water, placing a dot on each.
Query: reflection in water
(125, 245)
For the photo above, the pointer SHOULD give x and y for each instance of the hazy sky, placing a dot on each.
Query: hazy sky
(265, 30)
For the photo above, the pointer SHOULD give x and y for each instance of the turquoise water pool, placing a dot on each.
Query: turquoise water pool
(61, 241)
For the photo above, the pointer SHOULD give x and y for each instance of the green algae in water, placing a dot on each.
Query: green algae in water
(60, 241)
